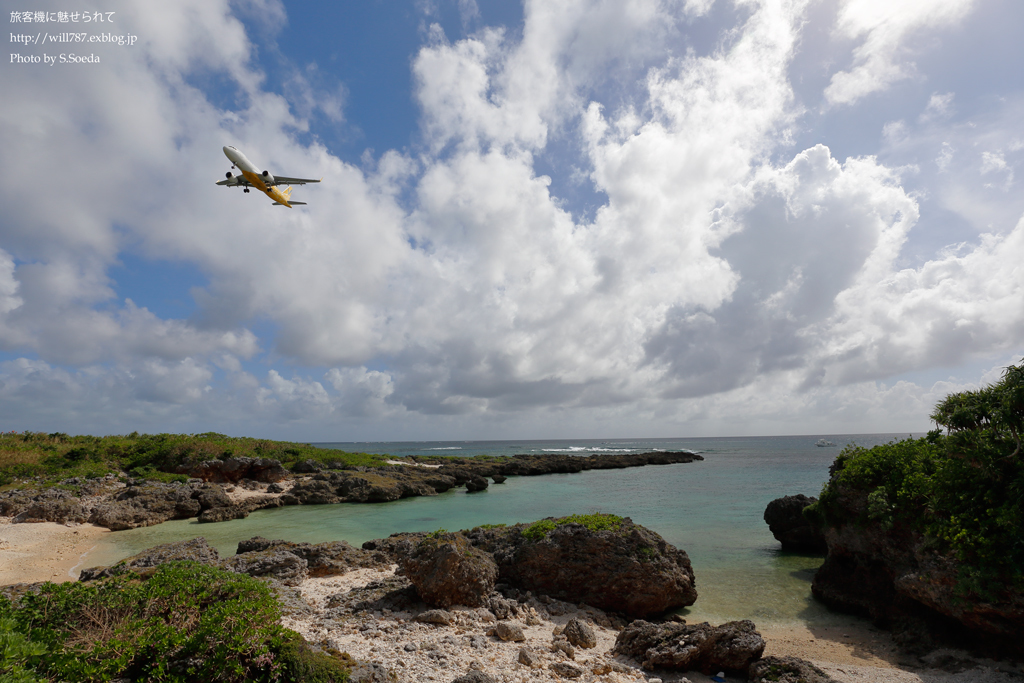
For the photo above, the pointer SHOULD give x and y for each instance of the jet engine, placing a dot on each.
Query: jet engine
(268, 178)
(228, 175)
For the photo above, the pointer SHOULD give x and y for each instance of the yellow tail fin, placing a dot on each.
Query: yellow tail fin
(287, 192)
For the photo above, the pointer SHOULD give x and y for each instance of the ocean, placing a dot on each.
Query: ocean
(712, 509)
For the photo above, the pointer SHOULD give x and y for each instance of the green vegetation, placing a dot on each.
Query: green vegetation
(180, 622)
(52, 457)
(595, 522)
(964, 490)
(16, 652)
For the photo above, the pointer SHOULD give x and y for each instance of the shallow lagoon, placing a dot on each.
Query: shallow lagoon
(711, 509)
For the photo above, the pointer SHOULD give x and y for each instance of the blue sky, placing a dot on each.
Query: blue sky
(571, 218)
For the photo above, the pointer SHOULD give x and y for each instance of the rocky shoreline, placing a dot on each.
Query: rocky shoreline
(559, 599)
(219, 490)
(892, 575)
(521, 624)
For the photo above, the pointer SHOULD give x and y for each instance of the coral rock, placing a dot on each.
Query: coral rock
(787, 523)
(447, 570)
(685, 647)
(580, 634)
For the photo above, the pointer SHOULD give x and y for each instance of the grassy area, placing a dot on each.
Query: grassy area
(154, 456)
(181, 622)
(595, 522)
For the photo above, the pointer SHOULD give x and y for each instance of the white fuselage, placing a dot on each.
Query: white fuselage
(252, 174)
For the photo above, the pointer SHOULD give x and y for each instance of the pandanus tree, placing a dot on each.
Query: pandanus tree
(991, 419)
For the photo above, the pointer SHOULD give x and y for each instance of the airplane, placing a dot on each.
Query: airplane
(265, 182)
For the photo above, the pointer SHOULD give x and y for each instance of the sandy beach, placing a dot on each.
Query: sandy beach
(851, 652)
(46, 551)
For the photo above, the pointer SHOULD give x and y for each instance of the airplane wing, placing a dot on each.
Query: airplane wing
(240, 181)
(282, 180)
(236, 181)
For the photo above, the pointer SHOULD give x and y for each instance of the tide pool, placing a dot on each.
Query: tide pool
(711, 509)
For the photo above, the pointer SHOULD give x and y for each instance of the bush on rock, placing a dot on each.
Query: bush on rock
(601, 560)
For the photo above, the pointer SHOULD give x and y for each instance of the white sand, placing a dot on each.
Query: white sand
(45, 551)
(852, 653)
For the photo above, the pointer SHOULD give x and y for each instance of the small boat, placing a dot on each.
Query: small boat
(823, 443)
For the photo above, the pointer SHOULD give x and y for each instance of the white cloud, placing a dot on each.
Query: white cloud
(948, 309)
(939, 107)
(995, 162)
(9, 301)
(721, 273)
(883, 29)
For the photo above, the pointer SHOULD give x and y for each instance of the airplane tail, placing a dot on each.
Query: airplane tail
(287, 192)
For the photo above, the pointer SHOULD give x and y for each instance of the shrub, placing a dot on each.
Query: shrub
(17, 652)
(181, 622)
(963, 490)
(595, 522)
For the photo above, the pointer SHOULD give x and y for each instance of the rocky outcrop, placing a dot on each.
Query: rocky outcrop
(733, 646)
(365, 487)
(110, 503)
(786, 670)
(51, 505)
(194, 550)
(894, 575)
(147, 504)
(528, 465)
(447, 570)
(307, 467)
(72, 500)
(284, 566)
(286, 562)
(397, 546)
(357, 484)
(476, 483)
(107, 502)
(787, 523)
(322, 559)
(631, 569)
(240, 509)
(231, 470)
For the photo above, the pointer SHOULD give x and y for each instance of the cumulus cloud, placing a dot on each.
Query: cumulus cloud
(882, 29)
(723, 272)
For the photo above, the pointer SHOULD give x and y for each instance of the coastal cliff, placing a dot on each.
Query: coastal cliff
(926, 536)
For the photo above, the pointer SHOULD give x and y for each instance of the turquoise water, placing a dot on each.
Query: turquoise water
(711, 509)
